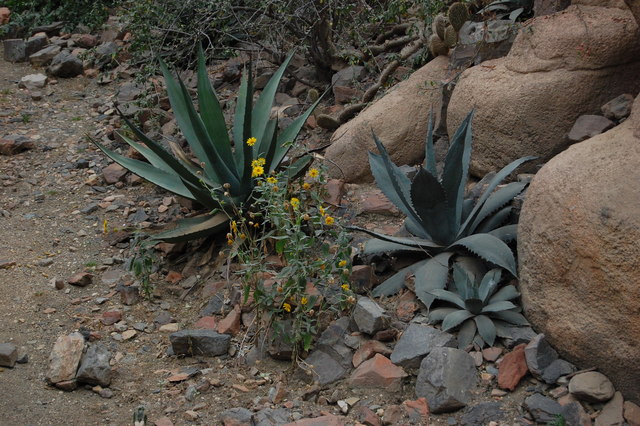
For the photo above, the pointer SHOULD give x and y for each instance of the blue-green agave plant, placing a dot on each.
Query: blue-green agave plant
(222, 175)
(443, 223)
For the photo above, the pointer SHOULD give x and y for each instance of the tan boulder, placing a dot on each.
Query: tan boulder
(561, 66)
(399, 119)
(579, 254)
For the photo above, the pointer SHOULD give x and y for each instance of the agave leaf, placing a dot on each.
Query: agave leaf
(494, 221)
(498, 306)
(432, 275)
(248, 151)
(454, 319)
(490, 249)
(510, 317)
(194, 227)
(391, 181)
(412, 242)
(414, 228)
(430, 203)
(448, 296)
(438, 314)
(297, 168)
(462, 282)
(486, 329)
(211, 112)
(508, 292)
(506, 171)
(430, 153)
(474, 305)
(467, 206)
(395, 282)
(489, 283)
(506, 233)
(262, 108)
(168, 181)
(502, 328)
(497, 200)
(271, 131)
(243, 102)
(456, 168)
(466, 334)
(375, 245)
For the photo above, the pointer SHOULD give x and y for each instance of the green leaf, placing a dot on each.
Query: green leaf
(430, 203)
(396, 282)
(455, 318)
(448, 296)
(463, 282)
(432, 274)
(474, 305)
(297, 168)
(494, 221)
(374, 245)
(243, 101)
(506, 171)
(489, 284)
(498, 306)
(430, 153)
(486, 329)
(510, 317)
(496, 201)
(438, 314)
(194, 227)
(508, 292)
(466, 334)
(456, 168)
(506, 233)
(280, 245)
(490, 249)
(411, 242)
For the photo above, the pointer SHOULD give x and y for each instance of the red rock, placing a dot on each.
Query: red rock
(169, 248)
(87, 41)
(81, 279)
(395, 415)
(386, 335)
(366, 416)
(376, 202)
(212, 288)
(111, 317)
(378, 372)
(328, 420)
(5, 15)
(231, 323)
(209, 323)
(335, 190)
(113, 173)
(344, 95)
(91, 72)
(407, 306)
(362, 278)
(367, 350)
(512, 368)
(417, 410)
(173, 277)
(491, 354)
(12, 147)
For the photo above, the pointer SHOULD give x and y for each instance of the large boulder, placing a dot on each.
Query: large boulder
(399, 119)
(579, 254)
(561, 66)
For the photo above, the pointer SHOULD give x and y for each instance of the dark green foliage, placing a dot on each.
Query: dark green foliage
(441, 221)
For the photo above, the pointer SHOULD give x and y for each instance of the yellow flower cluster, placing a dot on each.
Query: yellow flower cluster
(286, 307)
(258, 167)
(342, 264)
(272, 180)
(295, 203)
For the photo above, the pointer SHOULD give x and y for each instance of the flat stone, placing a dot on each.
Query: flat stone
(215, 306)
(556, 369)
(491, 354)
(517, 335)
(81, 279)
(231, 323)
(236, 416)
(366, 416)
(591, 386)
(612, 412)
(369, 316)
(94, 366)
(113, 173)
(11, 146)
(327, 420)
(271, 416)
(446, 378)
(417, 341)
(512, 368)
(539, 355)
(631, 413)
(199, 342)
(362, 278)
(33, 81)
(42, 57)
(588, 126)
(111, 317)
(64, 358)
(378, 372)
(367, 350)
(324, 368)
(483, 413)
(208, 323)
(542, 409)
(618, 108)
(8, 355)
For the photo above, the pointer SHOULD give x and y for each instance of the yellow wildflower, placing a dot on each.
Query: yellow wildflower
(329, 220)
(104, 226)
(314, 173)
(286, 307)
(251, 141)
(342, 264)
(257, 171)
(304, 301)
(295, 203)
(230, 241)
(242, 236)
(306, 186)
(345, 287)
(272, 180)
(322, 210)
(234, 226)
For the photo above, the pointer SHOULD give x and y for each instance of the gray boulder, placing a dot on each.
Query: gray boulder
(94, 366)
(199, 342)
(416, 342)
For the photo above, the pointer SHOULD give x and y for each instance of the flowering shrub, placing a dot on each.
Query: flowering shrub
(310, 279)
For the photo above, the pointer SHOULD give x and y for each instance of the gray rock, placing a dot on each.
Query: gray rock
(612, 412)
(129, 91)
(94, 366)
(574, 414)
(104, 54)
(618, 108)
(236, 415)
(418, 341)
(446, 379)
(324, 368)
(66, 65)
(8, 355)
(215, 306)
(14, 50)
(271, 416)
(517, 335)
(547, 7)
(199, 342)
(591, 386)
(588, 126)
(347, 76)
(44, 56)
(482, 414)
(33, 81)
(542, 409)
(64, 358)
(539, 355)
(35, 44)
(369, 316)
(556, 369)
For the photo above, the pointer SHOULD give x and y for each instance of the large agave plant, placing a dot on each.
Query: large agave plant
(442, 222)
(480, 310)
(223, 174)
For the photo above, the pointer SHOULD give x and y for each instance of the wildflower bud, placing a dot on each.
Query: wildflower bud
(306, 216)
(345, 271)
(312, 312)
(229, 236)
(226, 194)
(226, 186)
(251, 223)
